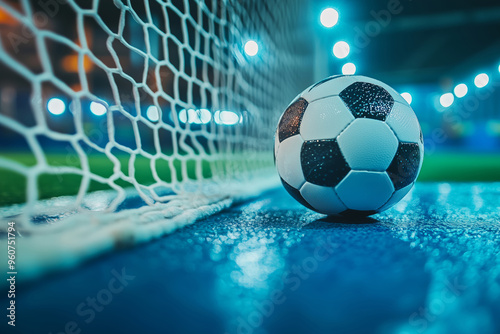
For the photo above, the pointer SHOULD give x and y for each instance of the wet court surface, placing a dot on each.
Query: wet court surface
(429, 265)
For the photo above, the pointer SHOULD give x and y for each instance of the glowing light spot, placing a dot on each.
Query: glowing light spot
(97, 108)
(204, 116)
(446, 99)
(481, 80)
(200, 116)
(226, 117)
(183, 116)
(341, 49)
(56, 106)
(349, 69)
(329, 17)
(407, 97)
(153, 113)
(460, 90)
(251, 48)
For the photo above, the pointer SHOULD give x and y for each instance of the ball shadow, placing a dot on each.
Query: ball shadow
(334, 221)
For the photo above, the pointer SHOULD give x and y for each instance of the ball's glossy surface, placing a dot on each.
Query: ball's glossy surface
(348, 145)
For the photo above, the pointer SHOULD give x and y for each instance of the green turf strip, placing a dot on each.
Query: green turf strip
(441, 167)
(456, 167)
(13, 185)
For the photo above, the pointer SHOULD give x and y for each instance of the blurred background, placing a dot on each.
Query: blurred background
(444, 57)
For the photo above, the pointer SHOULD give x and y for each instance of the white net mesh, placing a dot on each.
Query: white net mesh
(140, 106)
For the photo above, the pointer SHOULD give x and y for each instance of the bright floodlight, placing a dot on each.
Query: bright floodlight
(153, 114)
(341, 49)
(251, 48)
(446, 99)
(460, 90)
(329, 17)
(407, 97)
(349, 69)
(183, 116)
(98, 108)
(56, 106)
(226, 117)
(481, 80)
(201, 116)
(498, 68)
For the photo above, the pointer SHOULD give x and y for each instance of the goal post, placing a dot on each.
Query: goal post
(123, 120)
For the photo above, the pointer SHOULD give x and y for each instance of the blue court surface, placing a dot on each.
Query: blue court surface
(429, 265)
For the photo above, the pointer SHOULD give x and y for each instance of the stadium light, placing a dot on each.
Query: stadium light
(226, 117)
(56, 106)
(481, 80)
(329, 17)
(499, 68)
(203, 116)
(446, 99)
(251, 48)
(349, 69)
(200, 116)
(460, 90)
(153, 114)
(407, 97)
(183, 116)
(341, 49)
(97, 108)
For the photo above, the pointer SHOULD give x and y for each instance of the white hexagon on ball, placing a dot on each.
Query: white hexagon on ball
(288, 161)
(323, 199)
(365, 191)
(368, 144)
(276, 143)
(325, 119)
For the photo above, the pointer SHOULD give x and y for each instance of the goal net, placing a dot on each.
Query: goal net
(123, 120)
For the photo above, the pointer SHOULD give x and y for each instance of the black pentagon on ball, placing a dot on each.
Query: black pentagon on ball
(325, 80)
(290, 121)
(323, 163)
(295, 193)
(404, 167)
(366, 100)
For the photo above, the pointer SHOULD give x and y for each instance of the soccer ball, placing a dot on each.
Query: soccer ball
(348, 145)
